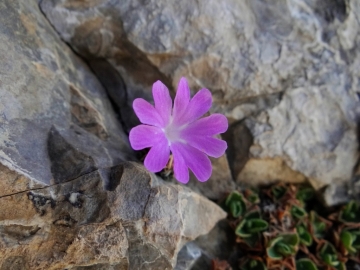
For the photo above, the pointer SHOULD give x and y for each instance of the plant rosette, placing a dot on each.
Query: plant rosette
(347, 240)
(349, 215)
(319, 226)
(329, 257)
(250, 227)
(282, 246)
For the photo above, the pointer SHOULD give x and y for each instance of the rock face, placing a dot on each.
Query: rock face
(56, 122)
(117, 218)
(69, 196)
(288, 70)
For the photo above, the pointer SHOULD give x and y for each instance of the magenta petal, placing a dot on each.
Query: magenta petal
(211, 146)
(158, 155)
(181, 171)
(197, 107)
(144, 136)
(208, 126)
(197, 161)
(147, 113)
(182, 98)
(162, 99)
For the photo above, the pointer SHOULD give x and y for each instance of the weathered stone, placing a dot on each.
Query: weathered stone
(267, 171)
(56, 122)
(288, 69)
(187, 256)
(218, 244)
(118, 218)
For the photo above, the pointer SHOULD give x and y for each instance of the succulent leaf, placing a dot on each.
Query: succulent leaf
(305, 193)
(251, 224)
(298, 212)
(305, 264)
(351, 240)
(282, 246)
(330, 257)
(235, 202)
(304, 235)
(350, 213)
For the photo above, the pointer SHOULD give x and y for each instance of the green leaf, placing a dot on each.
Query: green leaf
(347, 240)
(305, 264)
(236, 208)
(251, 224)
(253, 265)
(305, 193)
(350, 212)
(351, 240)
(298, 212)
(291, 239)
(274, 254)
(282, 246)
(278, 191)
(304, 235)
(241, 229)
(252, 240)
(285, 249)
(257, 225)
(235, 202)
(319, 226)
(329, 256)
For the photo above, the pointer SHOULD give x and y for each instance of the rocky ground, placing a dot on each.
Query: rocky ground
(74, 195)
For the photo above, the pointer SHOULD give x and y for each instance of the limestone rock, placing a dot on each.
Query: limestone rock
(288, 69)
(56, 122)
(122, 217)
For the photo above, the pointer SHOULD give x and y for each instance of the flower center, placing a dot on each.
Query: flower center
(172, 133)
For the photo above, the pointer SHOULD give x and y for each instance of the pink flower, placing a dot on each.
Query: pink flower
(179, 130)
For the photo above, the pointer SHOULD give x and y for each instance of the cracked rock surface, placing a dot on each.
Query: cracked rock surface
(70, 197)
(122, 217)
(288, 70)
(56, 122)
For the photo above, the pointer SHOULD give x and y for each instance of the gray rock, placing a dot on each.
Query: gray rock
(187, 256)
(56, 122)
(122, 217)
(218, 244)
(288, 69)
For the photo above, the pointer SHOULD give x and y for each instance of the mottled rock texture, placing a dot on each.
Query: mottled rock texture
(69, 197)
(288, 69)
(56, 122)
(117, 218)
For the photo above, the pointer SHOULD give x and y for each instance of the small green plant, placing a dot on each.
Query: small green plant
(304, 235)
(350, 239)
(329, 256)
(278, 191)
(298, 212)
(250, 227)
(279, 229)
(350, 213)
(282, 246)
(305, 264)
(305, 193)
(319, 226)
(251, 224)
(235, 202)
